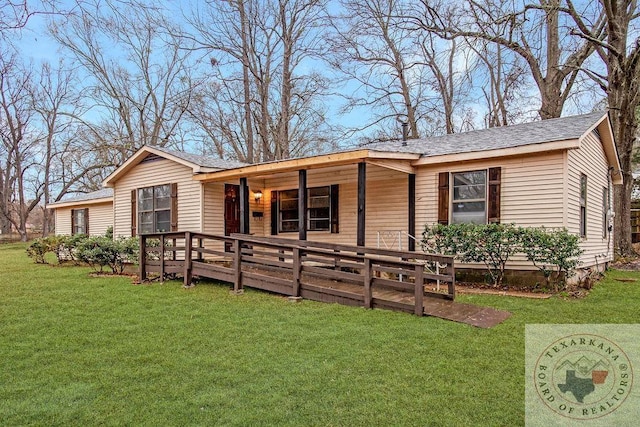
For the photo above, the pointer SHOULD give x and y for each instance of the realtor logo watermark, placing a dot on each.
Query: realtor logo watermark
(582, 373)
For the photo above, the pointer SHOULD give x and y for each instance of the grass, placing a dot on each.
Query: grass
(77, 350)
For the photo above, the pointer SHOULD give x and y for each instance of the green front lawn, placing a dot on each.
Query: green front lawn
(76, 350)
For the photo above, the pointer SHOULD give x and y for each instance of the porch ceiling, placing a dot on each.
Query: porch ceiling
(396, 161)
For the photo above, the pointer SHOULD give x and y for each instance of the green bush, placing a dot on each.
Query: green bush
(491, 244)
(98, 252)
(37, 250)
(67, 250)
(60, 246)
(554, 252)
(101, 252)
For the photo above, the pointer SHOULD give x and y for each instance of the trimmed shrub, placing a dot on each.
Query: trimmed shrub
(98, 252)
(37, 250)
(101, 252)
(491, 245)
(554, 252)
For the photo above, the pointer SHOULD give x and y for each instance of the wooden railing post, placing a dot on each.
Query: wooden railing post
(419, 290)
(452, 283)
(162, 258)
(188, 262)
(200, 256)
(237, 266)
(368, 294)
(142, 258)
(175, 253)
(297, 267)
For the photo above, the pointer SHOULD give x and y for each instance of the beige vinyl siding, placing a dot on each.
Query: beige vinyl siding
(531, 189)
(100, 218)
(531, 192)
(63, 221)
(159, 172)
(213, 210)
(590, 160)
(386, 202)
(257, 224)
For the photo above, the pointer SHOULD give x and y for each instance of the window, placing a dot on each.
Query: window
(469, 197)
(319, 208)
(80, 221)
(154, 209)
(322, 209)
(583, 205)
(605, 212)
(289, 210)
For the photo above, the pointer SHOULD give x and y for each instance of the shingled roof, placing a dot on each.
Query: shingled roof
(551, 130)
(203, 161)
(105, 193)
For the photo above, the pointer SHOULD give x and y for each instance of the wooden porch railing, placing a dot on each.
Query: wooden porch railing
(350, 275)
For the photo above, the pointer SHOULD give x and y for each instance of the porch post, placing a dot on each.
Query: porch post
(244, 206)
(302, 204)
(362, 186)
(411, 226)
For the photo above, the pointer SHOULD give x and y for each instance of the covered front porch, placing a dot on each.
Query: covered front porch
(360, 198)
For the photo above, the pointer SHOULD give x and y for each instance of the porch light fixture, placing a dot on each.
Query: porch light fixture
(258, 195)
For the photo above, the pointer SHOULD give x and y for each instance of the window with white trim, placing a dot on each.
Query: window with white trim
(583, 205)
(154, 209)
(79, 221)
(469, 197)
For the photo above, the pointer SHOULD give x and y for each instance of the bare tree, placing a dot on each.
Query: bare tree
(65, 161)
(450, 67)
(620, 80)
(377, 56)
(19, 146)
(139, 82)
(264, 98)
(504, 78)
(537, 32)
(399, 73)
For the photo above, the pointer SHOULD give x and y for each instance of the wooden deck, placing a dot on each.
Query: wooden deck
(349, 275)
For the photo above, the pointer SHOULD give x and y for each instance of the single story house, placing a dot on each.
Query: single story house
(552, 173)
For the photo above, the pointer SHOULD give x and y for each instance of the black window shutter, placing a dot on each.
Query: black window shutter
(443, 198)
(274, 213)
(134, 215)
(174, 206)
(334, 208)
(495, 175)
(73, 221)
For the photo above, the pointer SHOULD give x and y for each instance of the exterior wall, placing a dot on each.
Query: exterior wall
(213, 208)
(531, 189)
(532, 192)
(100, 218)
(386, 203)
(159, 172)
(590, 160)
(63, 221)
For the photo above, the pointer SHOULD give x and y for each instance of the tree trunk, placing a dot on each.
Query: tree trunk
(623, 96)
(624, 128)
(246, 81)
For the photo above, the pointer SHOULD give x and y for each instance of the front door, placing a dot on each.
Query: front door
(231, 210)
